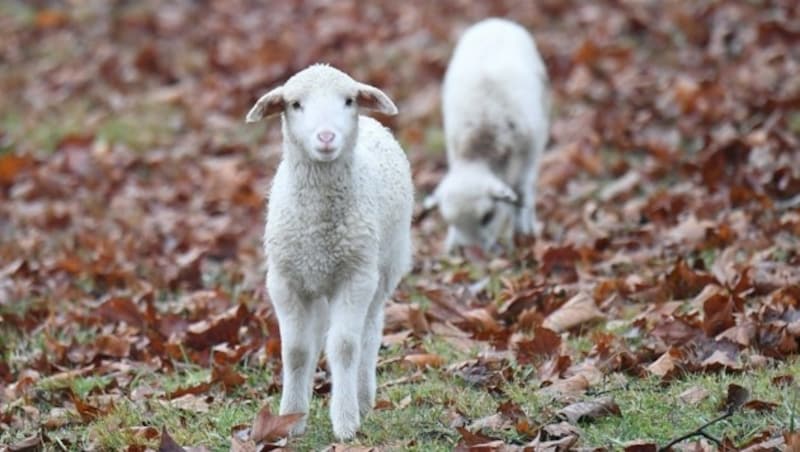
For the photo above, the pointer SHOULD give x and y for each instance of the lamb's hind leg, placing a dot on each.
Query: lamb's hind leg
(348, 313)
(296, 317)
(370, 346)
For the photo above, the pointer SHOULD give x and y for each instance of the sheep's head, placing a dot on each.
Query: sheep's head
(478, 207)
(319, 106)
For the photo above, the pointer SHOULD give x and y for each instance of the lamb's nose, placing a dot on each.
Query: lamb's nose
(326, 136)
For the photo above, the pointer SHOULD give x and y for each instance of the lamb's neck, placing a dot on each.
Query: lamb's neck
(328, 176)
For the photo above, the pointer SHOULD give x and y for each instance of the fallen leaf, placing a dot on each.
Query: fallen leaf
(760, 406)
(590, 410)
(29, 444)
(473, 439)
(269, 427)
(424, 360)
(578, 310)
(640, 446)
(694, 395)
(168, 444)
(792, 440)
(667, 364)
(545, 342)
(737, 396)
(189, 402)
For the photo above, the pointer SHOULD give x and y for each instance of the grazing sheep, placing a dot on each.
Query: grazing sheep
(495, 105)
(338, 236)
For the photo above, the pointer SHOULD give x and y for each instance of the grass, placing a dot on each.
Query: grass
(420, 414)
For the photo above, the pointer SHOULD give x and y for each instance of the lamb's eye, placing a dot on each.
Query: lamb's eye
(348, 102)
(296, 105)
(487, 217)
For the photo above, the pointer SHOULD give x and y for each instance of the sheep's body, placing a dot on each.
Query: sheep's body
(495, 106)
(337, 237)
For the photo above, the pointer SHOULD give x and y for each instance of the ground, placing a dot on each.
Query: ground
(662, 294)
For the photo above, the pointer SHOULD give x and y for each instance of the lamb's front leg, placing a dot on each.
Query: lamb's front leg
(348, 312)
(526, 222)
(299, 352)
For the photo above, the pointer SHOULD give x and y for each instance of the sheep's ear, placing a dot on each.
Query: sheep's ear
(372, 98)
(503, 193)
(268, 105)
(428, 206)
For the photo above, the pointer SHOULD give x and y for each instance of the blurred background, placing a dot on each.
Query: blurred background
(128, 178)
(123, 142)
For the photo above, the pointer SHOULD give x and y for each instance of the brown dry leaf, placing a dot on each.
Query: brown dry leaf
(640, 446)
(269, 427)
(228, 376)
(545, 342)
(11, 165)
(578, 310)
(685, 282)
(721, 360)
(87, 411)
(769, 444)
(199, 388)
(395, 338)
(112, 346)
(143, 433)
(690, 230)
(694, 395)
(737, 396)
(667, 364)
(567, 388)
(29, 444)
(168, 444)
(424, 360)
(470, 439)
(51, 18)
(718, 314)
(221, 328)
(591, 410)
(792, 440)
(556, 437)
(240, 445)
(783, 380)
(760, 406)
(189, 402)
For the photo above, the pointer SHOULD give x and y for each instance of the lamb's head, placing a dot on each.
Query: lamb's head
(319, 109)
(478, 207)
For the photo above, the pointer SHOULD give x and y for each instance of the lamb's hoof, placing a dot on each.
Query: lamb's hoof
(345, 427)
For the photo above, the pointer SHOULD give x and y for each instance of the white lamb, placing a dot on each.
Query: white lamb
(495, 104)
(338, 236)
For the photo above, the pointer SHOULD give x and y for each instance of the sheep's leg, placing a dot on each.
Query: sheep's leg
(296, 317)
(348, 314)
(452, 240)
(370, 345)
(526, 222)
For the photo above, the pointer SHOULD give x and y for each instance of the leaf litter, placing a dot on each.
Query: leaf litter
(668, 199)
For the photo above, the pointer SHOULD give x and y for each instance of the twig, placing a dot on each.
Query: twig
(623, 387)
(699, 431)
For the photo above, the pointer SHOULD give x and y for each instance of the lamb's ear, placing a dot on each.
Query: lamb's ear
(268, 105)
(372, 98)
(428, 205)
(503, 193)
